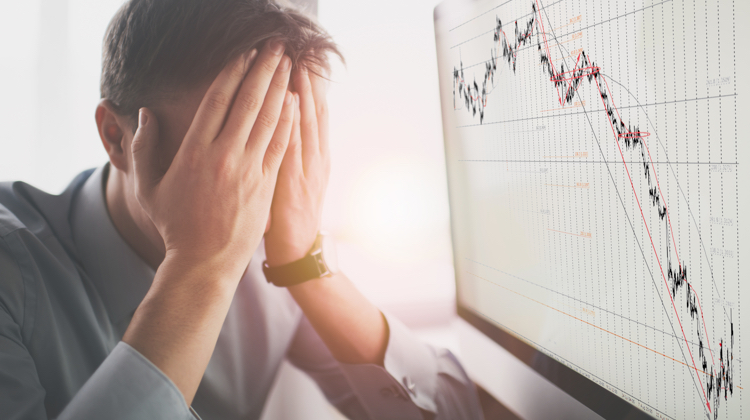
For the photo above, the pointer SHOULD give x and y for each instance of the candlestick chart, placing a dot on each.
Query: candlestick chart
(593, 164)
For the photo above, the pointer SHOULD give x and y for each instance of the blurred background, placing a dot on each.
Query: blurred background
(387, 202)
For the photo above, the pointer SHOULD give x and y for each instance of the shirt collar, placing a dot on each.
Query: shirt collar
(119, 275)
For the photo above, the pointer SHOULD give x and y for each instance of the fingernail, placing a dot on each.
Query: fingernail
(142, 118)
(276, 46)
(286, 62)
(251, 56)
(296, 98)
(288, 98)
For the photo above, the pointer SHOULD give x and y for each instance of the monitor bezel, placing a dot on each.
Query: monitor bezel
(584, 390)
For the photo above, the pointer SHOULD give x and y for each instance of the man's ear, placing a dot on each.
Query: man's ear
(112, 128)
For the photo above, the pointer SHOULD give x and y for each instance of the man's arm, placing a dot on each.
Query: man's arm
(417, 381)
(351, 326)
(210, 208)
(379, 358)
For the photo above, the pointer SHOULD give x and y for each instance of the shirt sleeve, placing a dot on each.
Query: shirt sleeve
(125, 386)
(416, 382)
(128, 386)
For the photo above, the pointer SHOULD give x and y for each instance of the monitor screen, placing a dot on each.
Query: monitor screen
(595, 157)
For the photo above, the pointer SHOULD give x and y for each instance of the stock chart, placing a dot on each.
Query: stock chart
(595, 162)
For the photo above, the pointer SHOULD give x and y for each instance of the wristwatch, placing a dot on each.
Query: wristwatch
(319, 262)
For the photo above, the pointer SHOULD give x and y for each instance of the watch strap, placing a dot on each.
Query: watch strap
(309, 267)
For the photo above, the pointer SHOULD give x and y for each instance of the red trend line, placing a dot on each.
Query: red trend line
(669, 220)
(593, 70)
(656, 254)
(593, 325)
(546, 47)
(633, 134)
(704, 324)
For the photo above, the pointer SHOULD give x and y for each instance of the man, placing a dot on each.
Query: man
(173, 281)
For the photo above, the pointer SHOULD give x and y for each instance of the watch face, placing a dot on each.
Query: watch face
(328, 246)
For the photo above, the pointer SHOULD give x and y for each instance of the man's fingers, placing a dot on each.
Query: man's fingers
(320, 91)
(268, 117)
(145, 159)
(254, 92)
(293, 156)
(308, 119)
(279, 141)
(215, 105)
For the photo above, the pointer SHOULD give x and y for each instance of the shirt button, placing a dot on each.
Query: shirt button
(410, 386)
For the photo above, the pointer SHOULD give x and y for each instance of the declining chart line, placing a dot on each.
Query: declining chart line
(567, 82)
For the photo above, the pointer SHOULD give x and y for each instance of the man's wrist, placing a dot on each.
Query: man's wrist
(224, 267)
(282, 254)
(319, 261)
(178, 322)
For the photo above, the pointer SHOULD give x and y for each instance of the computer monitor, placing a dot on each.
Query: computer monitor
(596, 158)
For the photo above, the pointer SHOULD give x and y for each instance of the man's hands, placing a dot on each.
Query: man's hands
(210, 207)
(353, 328)
(214, 199)
(303, 176)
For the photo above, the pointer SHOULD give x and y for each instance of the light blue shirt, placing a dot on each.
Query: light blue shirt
(69, 285)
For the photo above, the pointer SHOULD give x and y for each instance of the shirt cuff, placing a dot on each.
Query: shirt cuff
(406, 384)
(128, 386)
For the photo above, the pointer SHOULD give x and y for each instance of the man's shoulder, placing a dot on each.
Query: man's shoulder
(10, 205)
(11, 278)
(22, 206)
(33, 226)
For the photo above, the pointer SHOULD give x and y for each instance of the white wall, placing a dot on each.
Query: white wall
(388, 202)
(49, 87)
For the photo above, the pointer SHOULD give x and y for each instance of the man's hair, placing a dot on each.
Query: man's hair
(154, 47)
